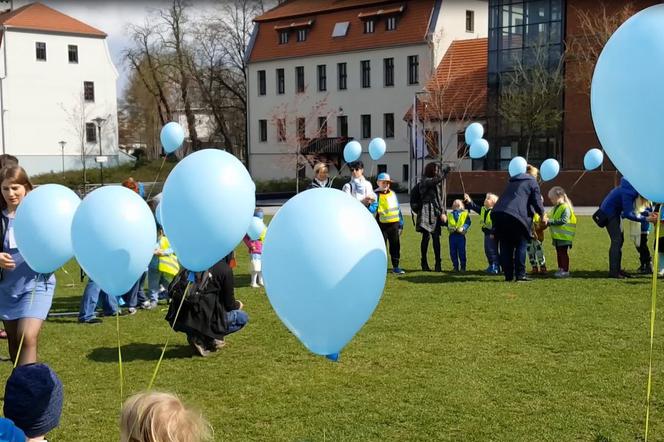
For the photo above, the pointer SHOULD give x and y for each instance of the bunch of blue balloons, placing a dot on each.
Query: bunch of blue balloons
(479, 147)
(353, 150)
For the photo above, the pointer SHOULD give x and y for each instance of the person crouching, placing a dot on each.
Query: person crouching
(389, 217)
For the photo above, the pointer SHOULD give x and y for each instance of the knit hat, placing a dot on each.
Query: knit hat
(10, 432)
(33, 399)
(258, 213)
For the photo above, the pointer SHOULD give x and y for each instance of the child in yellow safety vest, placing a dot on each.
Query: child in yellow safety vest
(162, 269)
(389, 217)
(458, 223)
(562, 225)
(490, 241)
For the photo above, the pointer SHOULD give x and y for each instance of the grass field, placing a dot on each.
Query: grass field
(444, 357)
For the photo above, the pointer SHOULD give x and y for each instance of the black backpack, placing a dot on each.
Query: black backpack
(415, 199)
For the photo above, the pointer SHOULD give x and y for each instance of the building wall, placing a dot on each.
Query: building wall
(39, 97)
(451, 24)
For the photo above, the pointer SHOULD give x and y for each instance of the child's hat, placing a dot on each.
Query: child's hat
(383, 177)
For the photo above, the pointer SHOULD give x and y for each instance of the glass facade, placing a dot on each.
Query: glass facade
(521, 35)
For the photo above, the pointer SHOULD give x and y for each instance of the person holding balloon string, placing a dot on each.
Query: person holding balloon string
(25, 295)
(431, 214)
(490, 242)
(359, 187)
(562, 224)
(389, 217)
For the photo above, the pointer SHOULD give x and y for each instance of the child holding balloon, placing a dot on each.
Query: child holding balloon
(255, 252)
(458, 223)
(562, 224)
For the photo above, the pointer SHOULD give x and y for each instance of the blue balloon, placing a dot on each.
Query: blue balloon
(474, 132)
(114, 236)
(479, 148)
(157, 214)
(377, 148)
(627, 100)
(352, 151)
(549, 169)
(517, 166)
(256, 227)
(337, 288)
(593, 159)
(172, 136)
(207, 204)
(42, 227)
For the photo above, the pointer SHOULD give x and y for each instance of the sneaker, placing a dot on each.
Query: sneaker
(523, 279)
(91, 321)
(219, 343)
(534, 271)
(254, 285)
(145, 305)
(562, 274)
(543, 270)
(398, 271)
(130, 311)
(198, 346)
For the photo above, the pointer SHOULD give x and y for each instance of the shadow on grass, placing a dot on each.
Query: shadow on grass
(140, 352)
(66, 303)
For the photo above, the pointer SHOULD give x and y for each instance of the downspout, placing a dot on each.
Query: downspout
(4, 75)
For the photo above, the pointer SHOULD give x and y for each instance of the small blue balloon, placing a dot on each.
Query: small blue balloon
(114, 235)
(157, 214)
(474, 132)
(172, 137)
(207, 204)
(593, 159)
(337, 288)
(352, 151)
(42, 227)
(377, 148)
(517, 166)
(549, 169)
(479, 148)
(256, 227)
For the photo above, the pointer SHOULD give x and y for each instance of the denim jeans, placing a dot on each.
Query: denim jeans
(458, 250)
(136, 295)
(89, 301)
(236, 319)
(155, 280)
(491, 250)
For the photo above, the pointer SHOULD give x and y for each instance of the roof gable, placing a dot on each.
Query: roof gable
(39, 17)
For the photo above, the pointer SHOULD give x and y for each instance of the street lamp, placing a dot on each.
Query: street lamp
(100, 159)
(62, 147)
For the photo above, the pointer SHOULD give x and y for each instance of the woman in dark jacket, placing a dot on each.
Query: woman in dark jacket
(432, 215)
(513, 218)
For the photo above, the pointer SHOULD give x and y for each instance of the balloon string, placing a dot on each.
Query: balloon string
(653, 310)
(156, 178)
(163, 350)
(117, 327)
(577, 181)
(32, 298)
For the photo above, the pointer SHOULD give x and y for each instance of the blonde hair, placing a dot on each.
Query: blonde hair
(161, 417)
(318, 167)
(532, 171)
(492, 197)
(557, 193)
(458, 205)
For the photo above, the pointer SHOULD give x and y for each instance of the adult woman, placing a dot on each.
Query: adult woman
(358, 186)
(321, 178)
(432, 215)
(513, 218)
(25, 295)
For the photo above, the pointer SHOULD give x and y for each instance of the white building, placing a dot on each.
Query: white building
(56, 77)
(343, 69)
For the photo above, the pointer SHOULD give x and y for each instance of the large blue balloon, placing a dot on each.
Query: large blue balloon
(474, 132)
(207, 204)
(352, 151)
(549, 169)
(377, 148)
(517, 166)
(256, 227)
(336, 288)
(479, 148)
(627, 100)
(172, 136)
(593, 159)
(114, 236)
(157, 214)
(42, 227)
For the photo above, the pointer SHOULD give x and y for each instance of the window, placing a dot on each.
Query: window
(366, 126)
(262, 131)
(73, 53)
(369, 26)
(301, 124)
(322, 127)
(261, 83)
(382, 168)
(299, 78)
(281, 130)
(302, 34)
(89, 91)
(283, 37)
(391, 23)
(470, 21)
(322, 77)
(340, 29)
(342, 126)
(366, 73)
(41, 51)
(281, 83)
(388, 72)
(405, 173)
(90, 133)
(341, 73)
(413, 69)
(388, 120)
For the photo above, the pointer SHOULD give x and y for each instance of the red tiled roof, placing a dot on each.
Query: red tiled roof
(458, 89)
(412, 27)
(40, 17)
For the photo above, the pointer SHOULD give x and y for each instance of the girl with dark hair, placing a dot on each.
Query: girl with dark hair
(432, 216)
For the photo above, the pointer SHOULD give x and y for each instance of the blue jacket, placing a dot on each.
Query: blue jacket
(521, 199)
(620, 202)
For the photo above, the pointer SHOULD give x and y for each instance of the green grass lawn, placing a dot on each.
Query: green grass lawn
(444, 357)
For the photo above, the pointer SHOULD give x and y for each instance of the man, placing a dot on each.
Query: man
(358, 186)
(89, 301)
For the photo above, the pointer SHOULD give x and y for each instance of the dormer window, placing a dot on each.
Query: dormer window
(369, 26)
(302, 34)
(283, 37)
(391, 23)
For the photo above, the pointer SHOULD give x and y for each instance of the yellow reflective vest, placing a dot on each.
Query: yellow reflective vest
(388, 207)
(485, 218)
(453, 224)
(168, 263)
(564, 232)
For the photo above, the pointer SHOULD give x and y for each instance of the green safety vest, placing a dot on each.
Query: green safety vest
(567, 231)
(453, 225)
(388, 208)
(485, 218)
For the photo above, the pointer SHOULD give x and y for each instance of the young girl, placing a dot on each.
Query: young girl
(161, 417)
(458, 223)
(536, 247)
(21, 312)
(562, 222)
(162, 269)
(638, 233)
(255, 251)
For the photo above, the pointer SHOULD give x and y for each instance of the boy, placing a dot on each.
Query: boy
(490, 242)
(458, 223)
(358, 186)
(390, 220)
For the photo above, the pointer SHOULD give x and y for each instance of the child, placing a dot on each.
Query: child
(536, 246)
(458, 223)
(162, 269)
(161, 417)
(490, 242)
(562, 222)
(638, 232)
(255, 251)
(389, 217)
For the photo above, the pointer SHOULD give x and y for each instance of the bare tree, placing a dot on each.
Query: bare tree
(77, 116)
